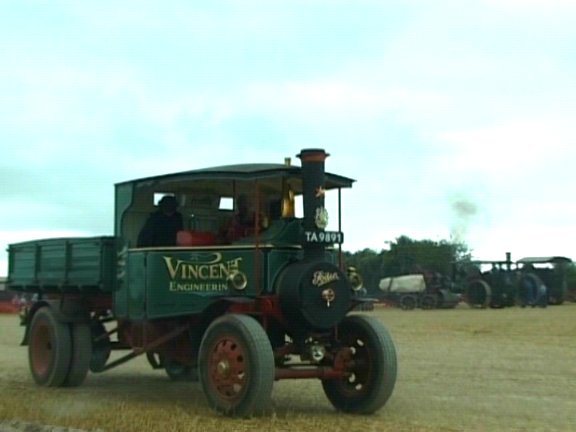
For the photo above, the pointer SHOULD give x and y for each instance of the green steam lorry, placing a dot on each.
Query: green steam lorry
(236, 315)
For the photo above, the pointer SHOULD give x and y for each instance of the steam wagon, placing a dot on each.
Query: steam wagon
(493, 287)
(545, 274)
(236, 314)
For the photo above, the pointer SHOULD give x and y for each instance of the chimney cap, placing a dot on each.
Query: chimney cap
(313, 155)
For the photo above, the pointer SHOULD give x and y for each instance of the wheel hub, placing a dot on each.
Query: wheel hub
(223, 368)
(228, 368)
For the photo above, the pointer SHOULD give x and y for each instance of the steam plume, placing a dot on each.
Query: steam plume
(463, 212)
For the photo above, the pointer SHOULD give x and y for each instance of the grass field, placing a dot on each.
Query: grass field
(459, 370)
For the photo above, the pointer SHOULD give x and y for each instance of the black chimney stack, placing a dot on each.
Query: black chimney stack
(315, 215)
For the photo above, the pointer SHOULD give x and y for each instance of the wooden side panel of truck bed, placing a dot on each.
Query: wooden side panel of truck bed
(79, 264)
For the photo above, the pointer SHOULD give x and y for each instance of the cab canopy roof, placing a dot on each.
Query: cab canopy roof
(541, 260)
(265, 174)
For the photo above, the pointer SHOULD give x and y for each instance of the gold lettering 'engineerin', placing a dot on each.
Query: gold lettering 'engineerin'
(196, 287)
(200, 274)
(322, 278)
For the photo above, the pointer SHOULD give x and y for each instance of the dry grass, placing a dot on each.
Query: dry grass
(459, 370)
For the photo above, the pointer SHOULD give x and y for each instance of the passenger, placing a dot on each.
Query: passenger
(243, 221)
(275, 209)
(162, 225)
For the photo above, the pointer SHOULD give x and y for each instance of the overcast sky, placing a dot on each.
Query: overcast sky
(456, 118)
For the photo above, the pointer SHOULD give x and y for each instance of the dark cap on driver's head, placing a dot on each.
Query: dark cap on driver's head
(168, 202)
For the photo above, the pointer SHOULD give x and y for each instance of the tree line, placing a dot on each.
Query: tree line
(405, 255)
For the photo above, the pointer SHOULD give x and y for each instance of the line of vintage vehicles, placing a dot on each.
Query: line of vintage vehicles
(235, 315)
(530, 281)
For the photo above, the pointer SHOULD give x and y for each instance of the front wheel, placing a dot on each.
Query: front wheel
(236, 366)
(371, 370)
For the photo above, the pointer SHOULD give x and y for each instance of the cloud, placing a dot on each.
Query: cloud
(418, 100)
(533, 6)
(520, 151)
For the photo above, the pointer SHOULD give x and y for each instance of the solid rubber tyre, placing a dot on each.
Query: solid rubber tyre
(236, 366)
(81, 354)
(373, 370)
(49, 349)
(101, 347)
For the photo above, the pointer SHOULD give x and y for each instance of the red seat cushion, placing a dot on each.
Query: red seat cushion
(195, 238)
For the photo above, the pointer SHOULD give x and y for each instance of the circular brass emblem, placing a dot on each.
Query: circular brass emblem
(237, 280)
(321, 217)
(328, 295)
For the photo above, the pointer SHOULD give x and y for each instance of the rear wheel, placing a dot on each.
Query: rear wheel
(101, 346)
(372, 367)
(408, 302)
(478, 294)
(81, 354)
(236, 366)
(49, 349)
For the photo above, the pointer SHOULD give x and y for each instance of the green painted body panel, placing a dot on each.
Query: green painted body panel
(282, 232)
(79, 264)
(179, 281)
(131, 303)
(122, 201)
(171, 282)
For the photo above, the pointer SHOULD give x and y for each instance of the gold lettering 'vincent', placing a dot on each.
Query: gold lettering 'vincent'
(322, 278)
(186, 271)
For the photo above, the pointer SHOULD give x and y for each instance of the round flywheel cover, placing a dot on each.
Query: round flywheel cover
(314, 294)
